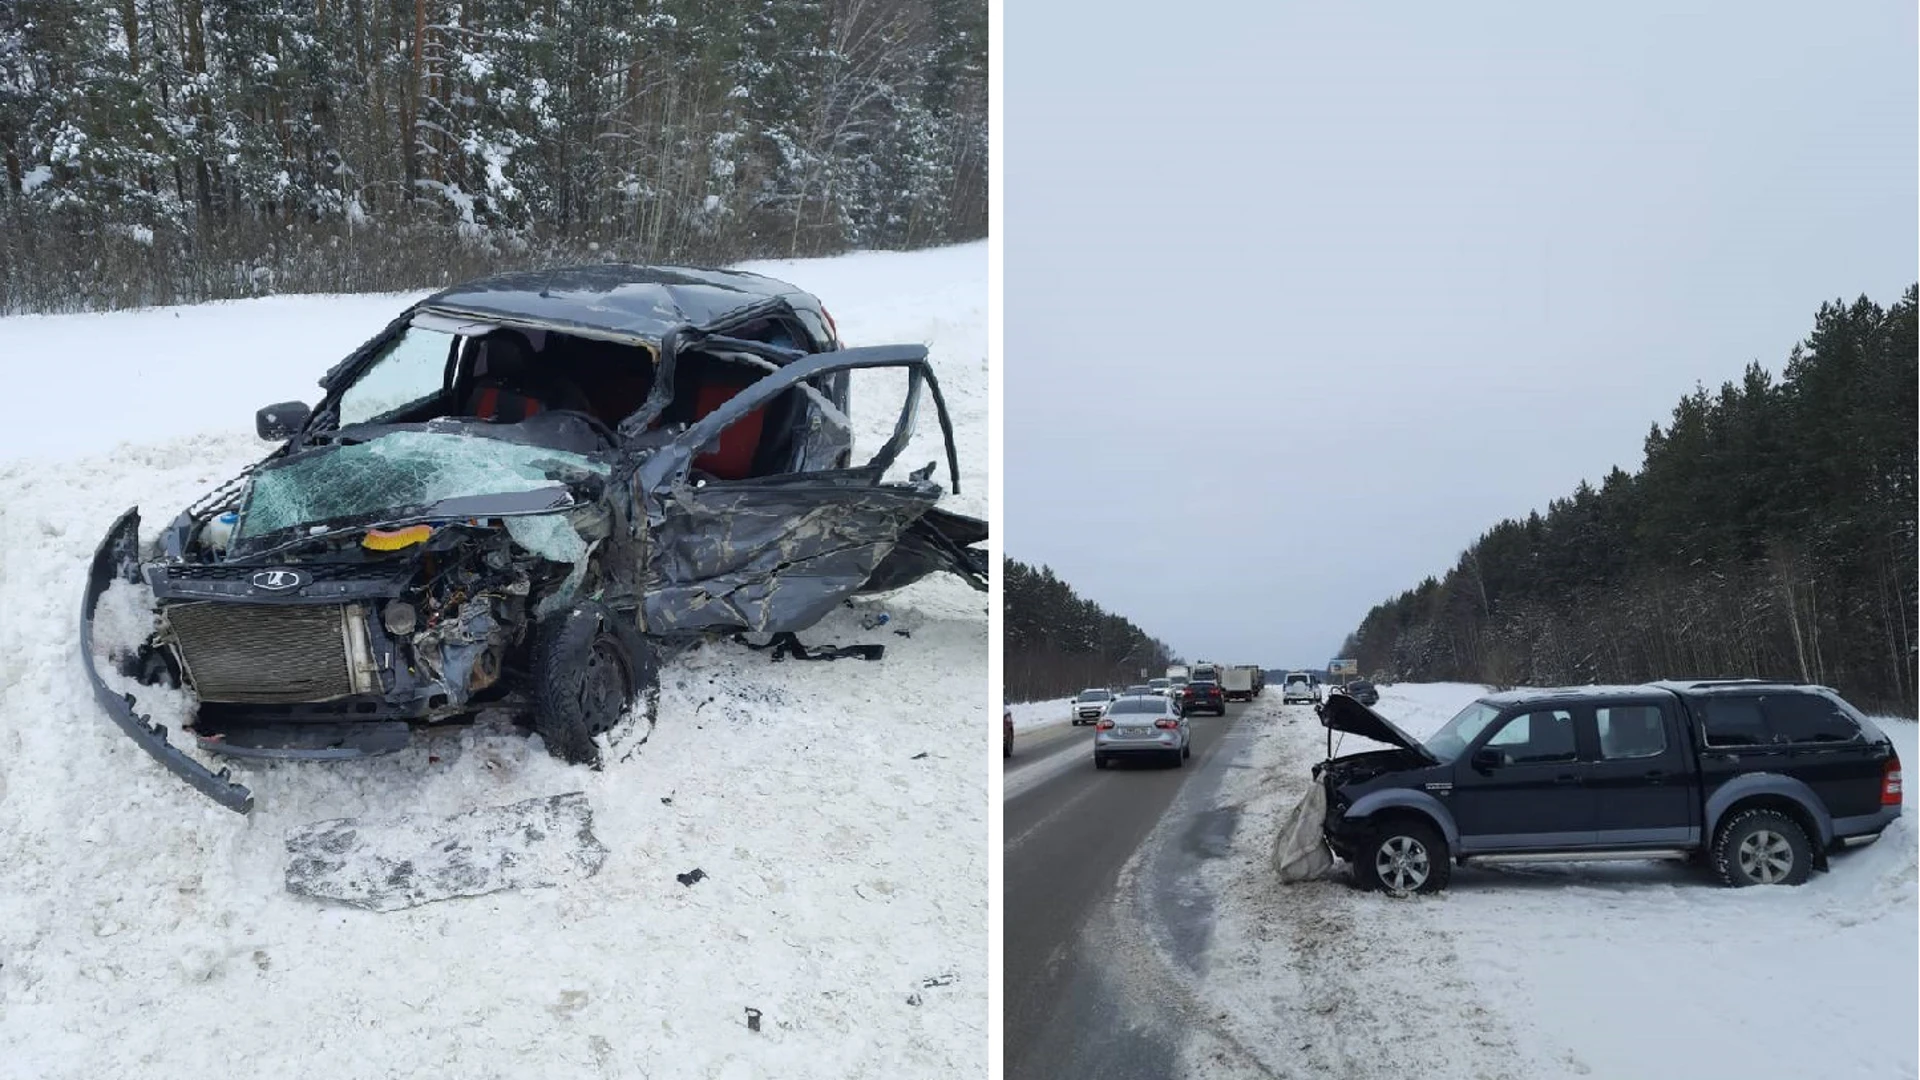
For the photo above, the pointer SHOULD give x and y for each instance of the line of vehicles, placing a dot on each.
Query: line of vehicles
(1149, 720)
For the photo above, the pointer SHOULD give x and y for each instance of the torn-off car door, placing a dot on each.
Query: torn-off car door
(777, 553)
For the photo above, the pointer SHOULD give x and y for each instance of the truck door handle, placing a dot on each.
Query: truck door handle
(1657, 775)
(1566, 778)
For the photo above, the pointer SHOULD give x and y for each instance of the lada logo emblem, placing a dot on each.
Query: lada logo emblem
(279, 580)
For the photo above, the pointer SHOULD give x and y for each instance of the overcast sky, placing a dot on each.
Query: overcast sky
(1300, 299)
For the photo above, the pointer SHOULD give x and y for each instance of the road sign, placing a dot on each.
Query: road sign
(1349, 668)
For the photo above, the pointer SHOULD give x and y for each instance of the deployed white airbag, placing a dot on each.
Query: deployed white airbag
(1300, 852)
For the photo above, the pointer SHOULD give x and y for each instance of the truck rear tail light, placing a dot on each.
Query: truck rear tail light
(1890, 793)
(1104, 725)
(1166, 725)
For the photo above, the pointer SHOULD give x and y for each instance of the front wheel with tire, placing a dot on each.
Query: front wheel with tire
(1762, 847)
(584, 680)
(1404, 856)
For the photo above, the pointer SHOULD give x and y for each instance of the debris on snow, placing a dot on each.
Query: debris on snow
(691, 876)
(413, 859)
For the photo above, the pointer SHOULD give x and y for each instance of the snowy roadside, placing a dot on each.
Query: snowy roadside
(1551, 970)
(1034, 715)
(840, 827)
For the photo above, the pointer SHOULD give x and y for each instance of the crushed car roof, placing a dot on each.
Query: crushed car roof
(643, 301)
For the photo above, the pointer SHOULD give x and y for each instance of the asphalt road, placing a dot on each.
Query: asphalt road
(1070, 829)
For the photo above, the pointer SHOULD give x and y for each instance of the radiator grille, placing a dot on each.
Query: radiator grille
(263, 653)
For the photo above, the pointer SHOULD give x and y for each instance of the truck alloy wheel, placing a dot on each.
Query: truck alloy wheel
(1762, 847)
(1404, 857)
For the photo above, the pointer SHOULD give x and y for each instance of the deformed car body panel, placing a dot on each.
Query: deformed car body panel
(773, 558)
(777, 554)
(113, 560)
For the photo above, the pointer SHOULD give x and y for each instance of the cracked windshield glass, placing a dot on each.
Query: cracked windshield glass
(402, 471)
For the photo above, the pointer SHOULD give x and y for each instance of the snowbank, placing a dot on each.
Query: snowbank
(1029, 715)
(1556, 970)
(146, 932)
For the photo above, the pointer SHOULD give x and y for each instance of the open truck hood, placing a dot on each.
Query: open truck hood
(1344, 713)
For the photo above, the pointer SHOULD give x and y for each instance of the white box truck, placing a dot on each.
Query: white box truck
(1237, 683)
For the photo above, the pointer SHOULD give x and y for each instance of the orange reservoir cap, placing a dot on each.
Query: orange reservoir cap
(395, 539)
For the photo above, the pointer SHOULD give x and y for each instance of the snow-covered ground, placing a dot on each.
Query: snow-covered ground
(1538, 972)
(841, 825)
(1031, 715)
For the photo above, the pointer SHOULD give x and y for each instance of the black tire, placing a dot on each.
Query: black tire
(1179, 759)
(586, 673)
(1186, 751)
(1416, 852)
(1762, 847)
(1099, 762)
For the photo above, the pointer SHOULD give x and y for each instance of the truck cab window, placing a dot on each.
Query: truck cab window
(1630, 731)
(1536, 738)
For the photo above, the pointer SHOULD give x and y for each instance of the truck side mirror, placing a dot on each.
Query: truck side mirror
(1486, 760)
(282, 421)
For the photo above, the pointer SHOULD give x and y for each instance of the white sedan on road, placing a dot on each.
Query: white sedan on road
(1091, 705)
(1142, 728)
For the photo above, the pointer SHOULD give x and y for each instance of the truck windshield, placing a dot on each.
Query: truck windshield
(1453, 737)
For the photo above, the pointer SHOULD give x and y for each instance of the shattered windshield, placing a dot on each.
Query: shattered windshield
(401, 473)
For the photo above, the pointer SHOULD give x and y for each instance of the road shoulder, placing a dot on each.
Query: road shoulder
(1320, 979)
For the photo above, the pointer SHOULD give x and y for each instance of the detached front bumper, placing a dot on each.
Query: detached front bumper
(118, 556)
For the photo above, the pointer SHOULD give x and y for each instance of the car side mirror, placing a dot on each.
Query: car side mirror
(282, 421)
(1486, 760)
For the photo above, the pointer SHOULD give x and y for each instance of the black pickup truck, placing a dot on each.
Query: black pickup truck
(1761, 780)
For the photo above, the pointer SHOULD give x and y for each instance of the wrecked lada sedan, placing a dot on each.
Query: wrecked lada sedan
(515, 496)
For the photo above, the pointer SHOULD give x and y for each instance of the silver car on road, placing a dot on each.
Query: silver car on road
(1142, 728)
